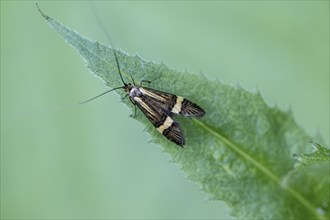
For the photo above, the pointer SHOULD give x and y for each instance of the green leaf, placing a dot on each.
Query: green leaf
(311, 182)
(239, 152)
(320, 154)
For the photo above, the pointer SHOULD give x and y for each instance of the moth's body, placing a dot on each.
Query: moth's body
(159, 107)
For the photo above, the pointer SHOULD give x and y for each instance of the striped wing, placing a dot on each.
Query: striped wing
(172, 104)
(160, 119)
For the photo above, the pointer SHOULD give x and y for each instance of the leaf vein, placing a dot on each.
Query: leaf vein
(259, 166)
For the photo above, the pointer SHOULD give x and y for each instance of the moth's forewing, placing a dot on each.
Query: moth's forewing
(160, 119)
(172, 103)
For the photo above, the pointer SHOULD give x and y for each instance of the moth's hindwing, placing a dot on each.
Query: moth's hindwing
(172, 104)
(160, 119)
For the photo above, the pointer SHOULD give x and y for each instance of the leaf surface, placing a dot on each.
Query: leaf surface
(239, 152)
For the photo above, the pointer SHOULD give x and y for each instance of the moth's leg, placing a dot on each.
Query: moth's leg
(149, 81)
(134, 106)
(122, 99)
(144, 81)
(134, 111)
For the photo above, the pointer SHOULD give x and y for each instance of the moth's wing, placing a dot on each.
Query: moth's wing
(172, 104)
(174, 134)
(190, 109)
(161, 120)
(163, 100)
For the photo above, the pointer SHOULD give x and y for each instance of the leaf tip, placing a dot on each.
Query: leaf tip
(43, 14)
(315, 145)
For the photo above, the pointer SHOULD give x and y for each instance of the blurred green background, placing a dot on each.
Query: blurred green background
(94, 161)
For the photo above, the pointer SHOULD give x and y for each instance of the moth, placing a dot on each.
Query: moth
(158, 106)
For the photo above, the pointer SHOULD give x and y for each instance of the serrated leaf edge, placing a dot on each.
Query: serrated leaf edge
(259, 166)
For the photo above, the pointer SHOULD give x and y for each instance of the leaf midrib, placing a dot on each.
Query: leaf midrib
(259, 166)
(227, 142)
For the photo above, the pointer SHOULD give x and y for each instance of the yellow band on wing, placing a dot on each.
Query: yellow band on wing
(152, 95)
(144, 105)
(178, 105)
(167, 123)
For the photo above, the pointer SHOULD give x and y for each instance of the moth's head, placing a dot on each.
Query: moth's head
(128, 87)
(134, 92)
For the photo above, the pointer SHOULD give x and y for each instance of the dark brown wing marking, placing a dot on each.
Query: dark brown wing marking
(172, 103)
(174, 133)
(163, 100)
(162, 121)
(190, 109)
(156, 116)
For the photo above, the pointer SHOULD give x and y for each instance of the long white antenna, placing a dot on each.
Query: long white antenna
(106, 32)
(104, 29)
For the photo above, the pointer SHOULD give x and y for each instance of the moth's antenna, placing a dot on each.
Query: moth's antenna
(88, 100)
(104, 29)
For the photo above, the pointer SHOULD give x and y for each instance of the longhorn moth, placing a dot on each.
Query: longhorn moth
(158, 106)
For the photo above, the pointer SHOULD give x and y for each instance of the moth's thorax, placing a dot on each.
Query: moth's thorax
(134, 91)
